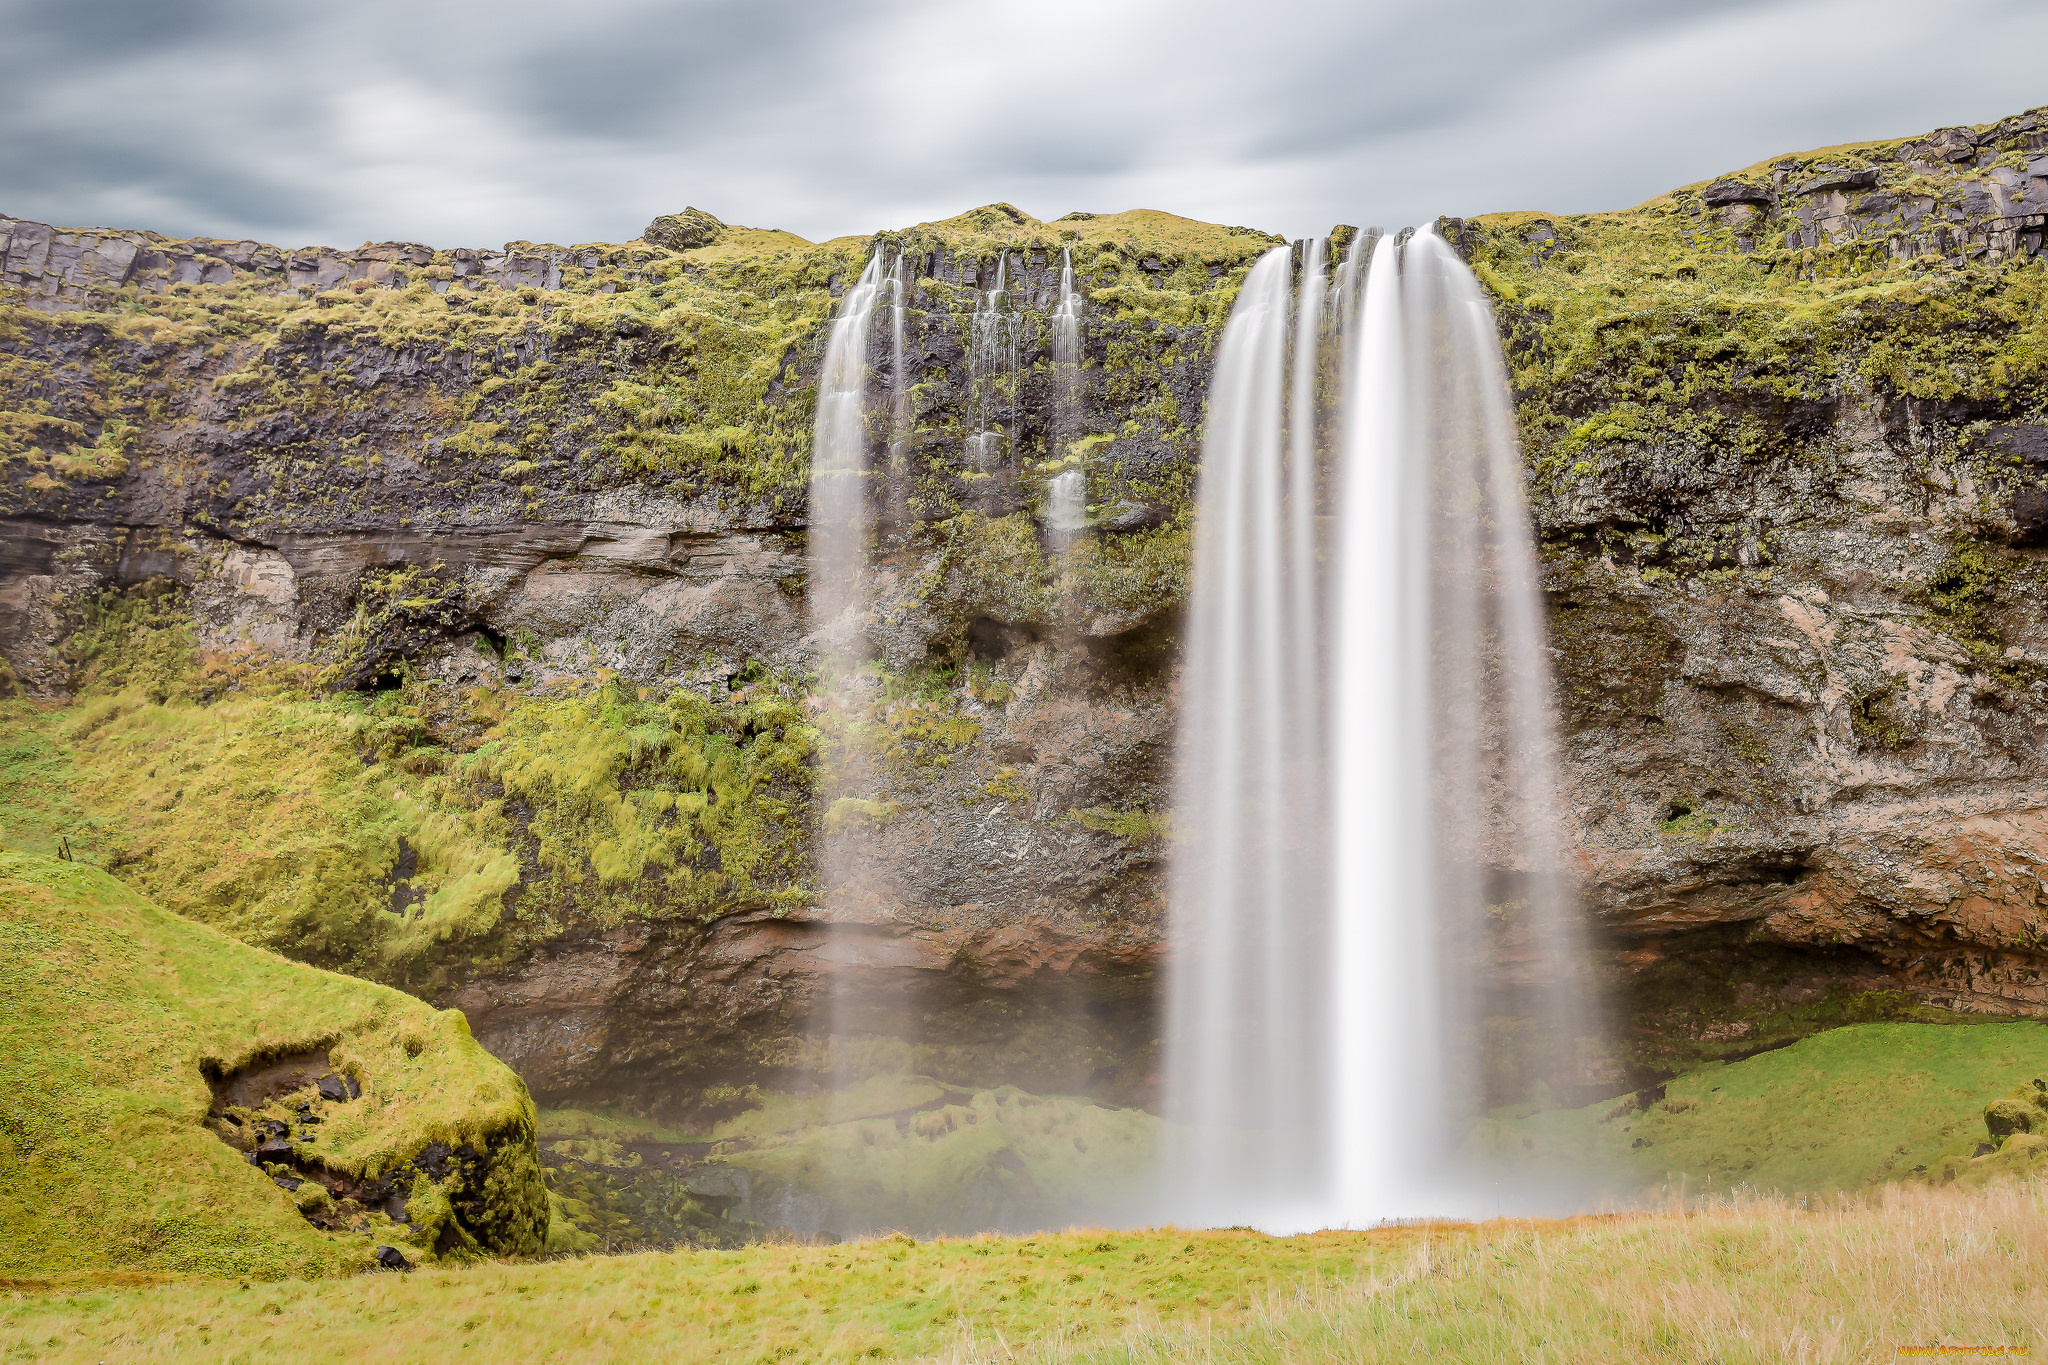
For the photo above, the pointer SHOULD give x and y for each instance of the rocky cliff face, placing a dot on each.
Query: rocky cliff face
(1785, 440)
(1782, 429)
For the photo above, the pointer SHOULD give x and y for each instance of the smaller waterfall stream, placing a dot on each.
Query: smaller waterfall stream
(1066, 493)
(839, 468)
(996, 334)
(899, 394)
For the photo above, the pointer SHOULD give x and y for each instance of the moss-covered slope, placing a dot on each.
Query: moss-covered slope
(1845, 1109)
(130, 1040)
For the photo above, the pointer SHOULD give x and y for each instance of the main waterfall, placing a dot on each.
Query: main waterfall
(1366, 901)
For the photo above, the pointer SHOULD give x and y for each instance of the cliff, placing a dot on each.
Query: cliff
(468, 589)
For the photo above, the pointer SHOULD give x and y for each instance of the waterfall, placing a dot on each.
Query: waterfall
(1366, 855)
(899, 396)
(995, 335)
(839, 460)
(837, 533)
(1066, 360)
(1066, 493)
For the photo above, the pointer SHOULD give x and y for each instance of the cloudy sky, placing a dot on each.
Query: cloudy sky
(471, 123)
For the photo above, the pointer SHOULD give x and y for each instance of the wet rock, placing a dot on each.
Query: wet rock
(433, 1159)
(2026, 443)
(391, 1258)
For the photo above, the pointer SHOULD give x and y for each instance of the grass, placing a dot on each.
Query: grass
(1842, 1110)
(379, 834)
(1747, 1280)
(1907, 1272)
(112, 1010)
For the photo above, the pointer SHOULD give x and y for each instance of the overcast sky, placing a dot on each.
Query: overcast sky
(469, 124)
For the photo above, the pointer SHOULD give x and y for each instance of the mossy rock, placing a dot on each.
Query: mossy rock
(685, 231)
(2004, 1117)
(125, 1036)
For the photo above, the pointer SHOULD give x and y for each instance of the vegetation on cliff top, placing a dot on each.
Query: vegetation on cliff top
(680, 371)
(113, 1016)
(1657, 350)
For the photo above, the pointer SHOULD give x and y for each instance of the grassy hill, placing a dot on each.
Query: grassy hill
(141, 1054)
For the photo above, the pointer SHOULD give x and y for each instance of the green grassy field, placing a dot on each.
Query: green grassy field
(1841, 1110)
(112, 1012)
(1743, 1281)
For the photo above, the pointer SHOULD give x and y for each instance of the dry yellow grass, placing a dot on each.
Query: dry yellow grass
(1908, 1270)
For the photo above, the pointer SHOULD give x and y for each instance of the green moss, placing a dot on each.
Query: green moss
(1137, 826)
(142, 638)
(381, 833)
(1652, 352)
(112, 1011)
(1843, 1109)
(853, 812)
(1045, 1158)
(1879, 720)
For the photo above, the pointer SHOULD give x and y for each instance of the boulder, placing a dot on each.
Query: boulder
(1722, 193)
(684, 231)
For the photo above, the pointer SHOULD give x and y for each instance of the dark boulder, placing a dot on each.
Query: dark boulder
(2030, 513)
(1722, 193)
(274, 1151)
(2024, 442)
(391, 1258)
(1950, 144)
(1832, 179)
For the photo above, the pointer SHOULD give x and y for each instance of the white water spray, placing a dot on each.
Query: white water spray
(1328, 976)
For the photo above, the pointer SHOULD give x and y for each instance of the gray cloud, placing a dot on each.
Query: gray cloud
(469, 123)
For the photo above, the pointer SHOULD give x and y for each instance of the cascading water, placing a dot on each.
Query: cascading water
(996, 335)
(899, 395)
(1066, 493)
(1066, 359)
(1366, 854)
(839, 465)
(837, 534)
